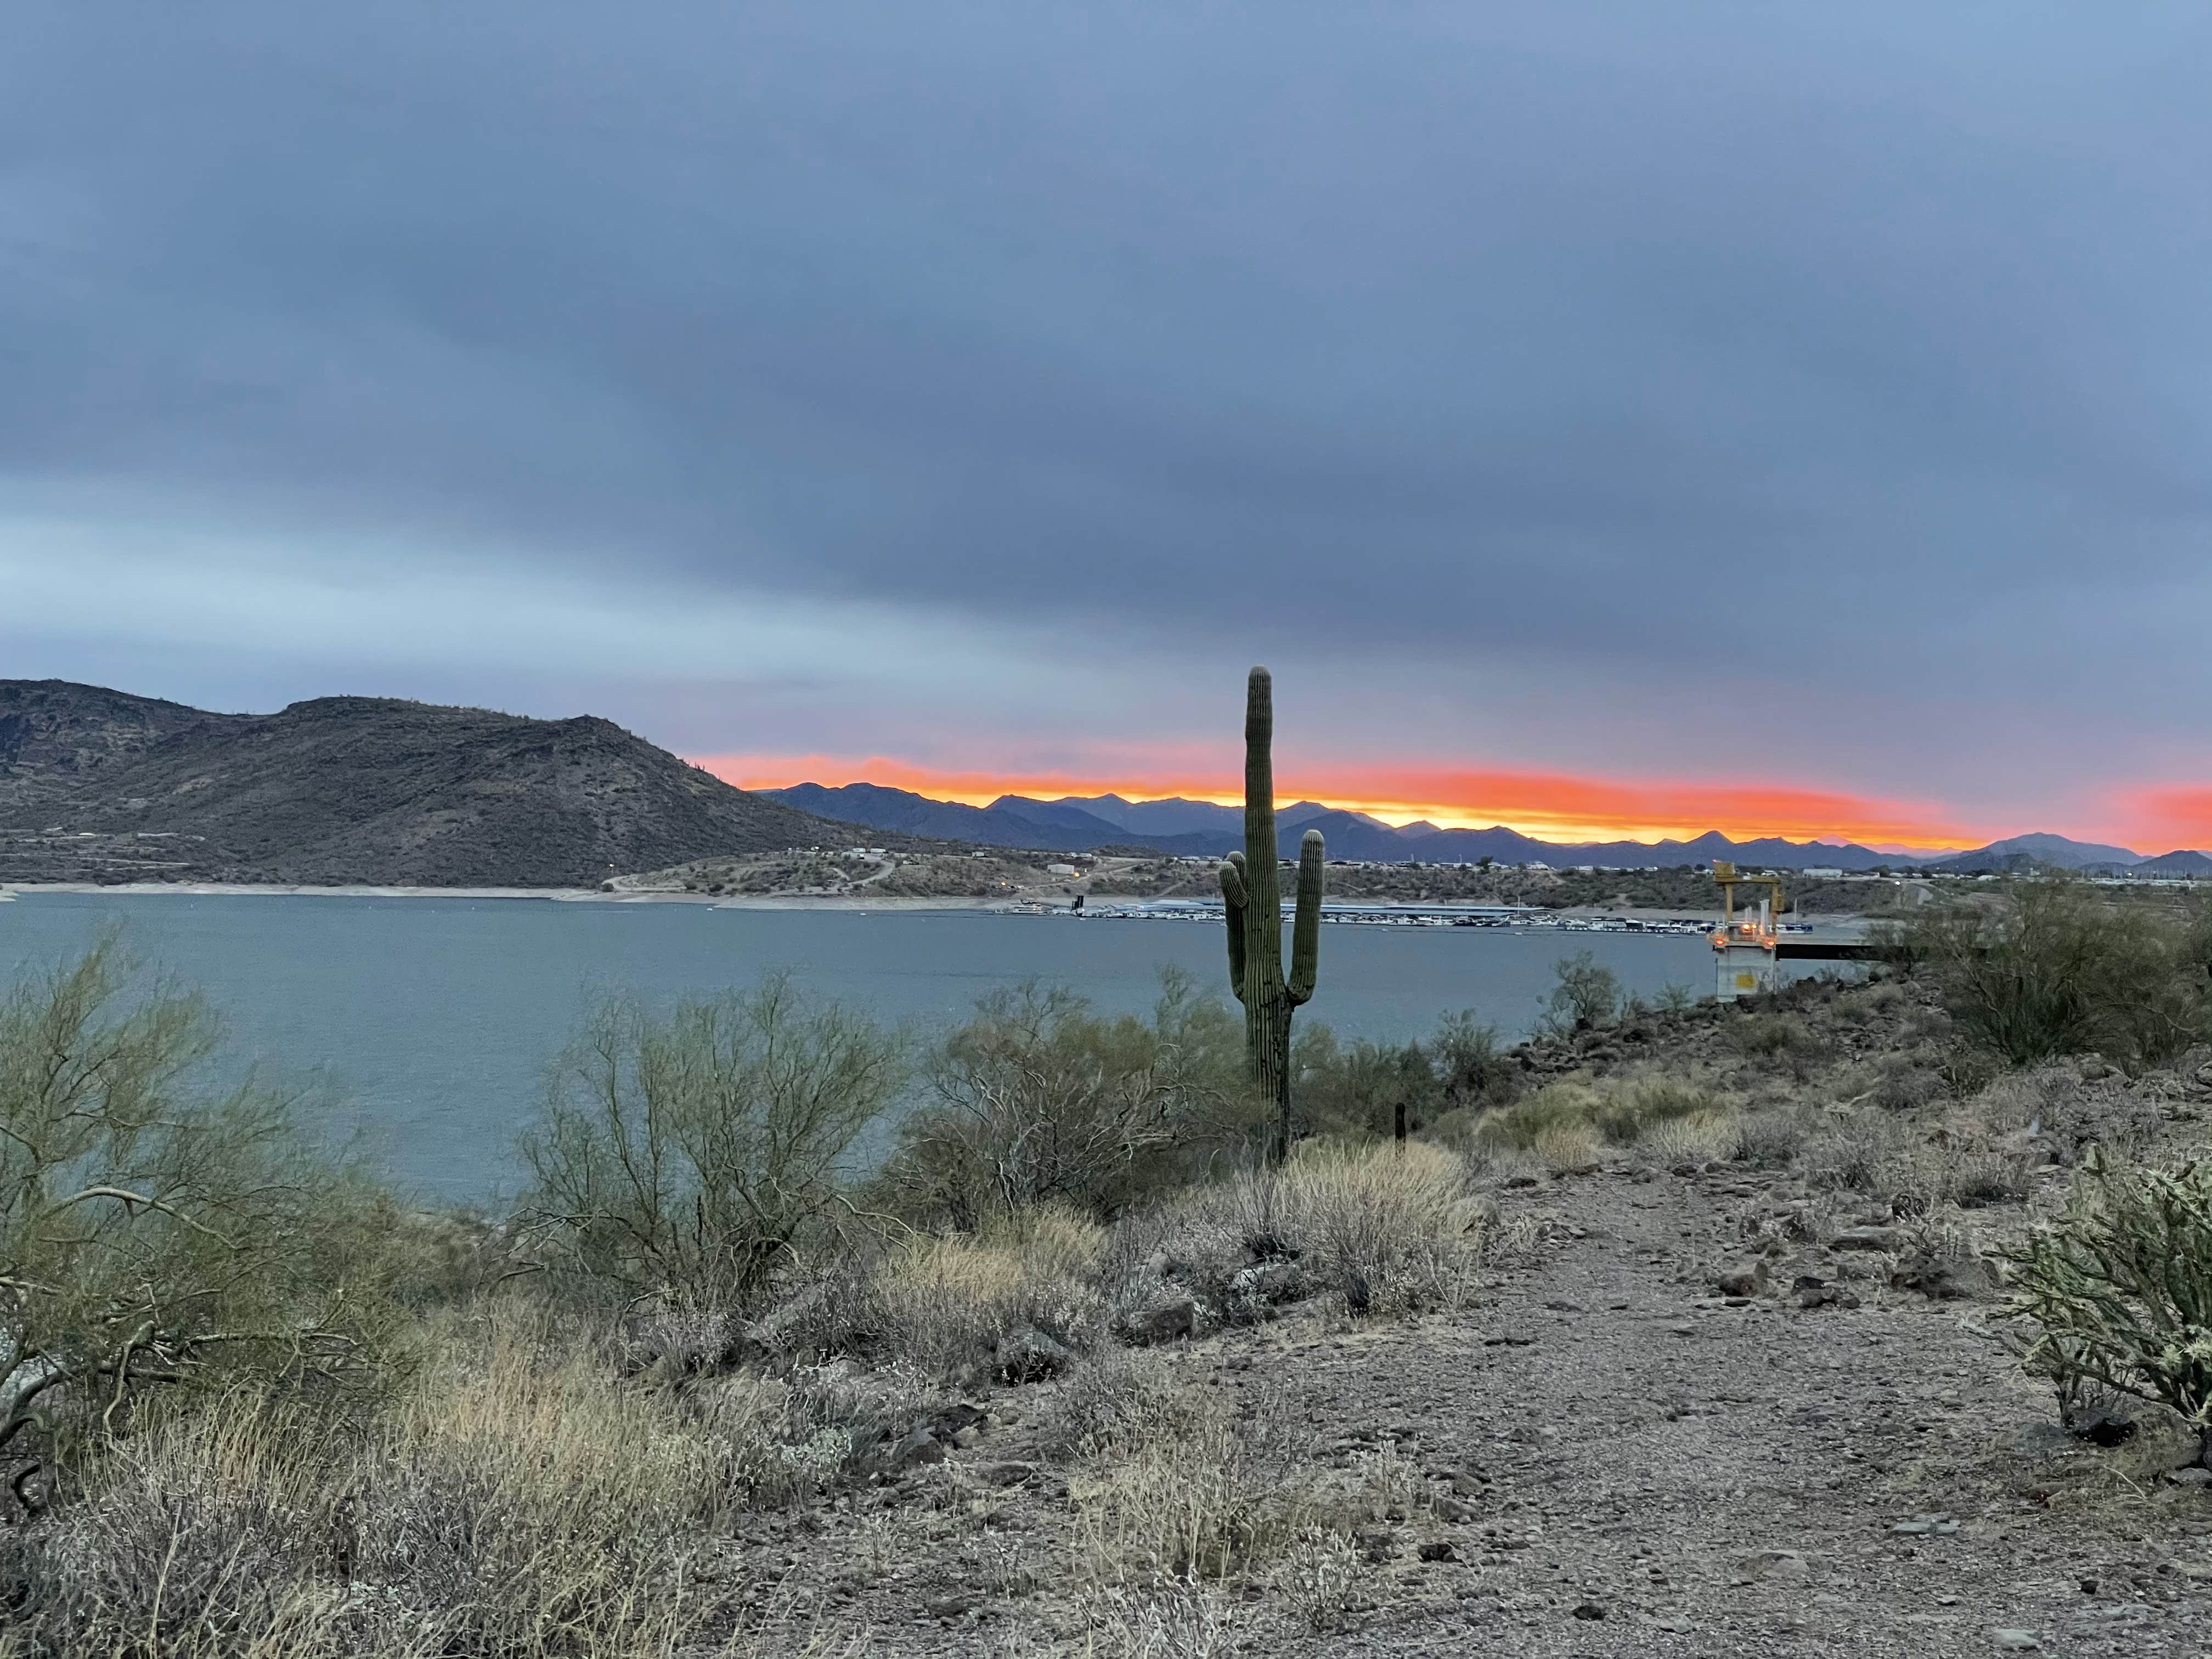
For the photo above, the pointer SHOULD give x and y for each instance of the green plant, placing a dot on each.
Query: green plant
(1254, 906)
(683, 1158)
(1586, 995)
(2054, 968)
(1036, 1098)
(2119, 1289)
(151, 1235)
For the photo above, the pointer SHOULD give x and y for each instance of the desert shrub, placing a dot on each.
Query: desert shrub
(2119, 1290)
(1221, 1495)
(1472, 1065)
(1771, 1137)
(1586, 1117)
(519, 1500)
(1702, 1140)
(939, 1302)
(1037, 1099)
(153, 1233)
(2055, 968)
(1117, 1403)
(1178, 1619)
(1387, 1223)
(1362, 1087)
(1768, 1036)
(1916, 1172)
(684, 1158)
(1586, 995)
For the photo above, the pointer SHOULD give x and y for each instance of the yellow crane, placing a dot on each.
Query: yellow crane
(1744, 949)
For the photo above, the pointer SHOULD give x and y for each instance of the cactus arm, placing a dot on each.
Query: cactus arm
(1232, 895)
(1305, 926)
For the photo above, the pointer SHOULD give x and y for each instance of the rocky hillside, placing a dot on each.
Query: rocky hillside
(98, 785)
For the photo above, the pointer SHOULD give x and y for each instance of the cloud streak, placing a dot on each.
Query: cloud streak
(1814, 402)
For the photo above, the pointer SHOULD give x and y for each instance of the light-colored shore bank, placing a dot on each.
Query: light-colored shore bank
(559, 895)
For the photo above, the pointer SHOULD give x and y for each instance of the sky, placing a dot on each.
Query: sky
(1603, 419)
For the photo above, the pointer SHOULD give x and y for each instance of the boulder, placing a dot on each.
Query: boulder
(1170, 1322)
(922, 1446)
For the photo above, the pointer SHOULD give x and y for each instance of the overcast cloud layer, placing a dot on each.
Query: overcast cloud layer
(1812, 395)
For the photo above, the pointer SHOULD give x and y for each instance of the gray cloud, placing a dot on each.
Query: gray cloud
(1408, 344)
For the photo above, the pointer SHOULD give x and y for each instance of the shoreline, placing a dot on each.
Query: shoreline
(842, 903)
(552, 894)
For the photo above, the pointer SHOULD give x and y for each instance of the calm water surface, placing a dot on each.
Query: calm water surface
(426, 1024)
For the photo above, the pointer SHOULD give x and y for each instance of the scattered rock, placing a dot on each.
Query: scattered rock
(1828, 1296)
(1589, 1609)
(1947, 1279)
(1378, 1546)
(1150, 1326)
(966, 1439)
(1780, 1566)
(2015, 1641)
(2197, 1475)
(1439, 1550)
(2106, 1426)
(1743, 1281)
(920, 1447)
(1006, 1473)
(1026, 1354)
(1448, 1508)
(1866, 1238)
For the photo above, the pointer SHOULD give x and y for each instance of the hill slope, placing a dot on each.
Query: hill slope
(353, 789)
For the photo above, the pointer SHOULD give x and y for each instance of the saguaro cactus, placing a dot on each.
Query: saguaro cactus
(1254, 894)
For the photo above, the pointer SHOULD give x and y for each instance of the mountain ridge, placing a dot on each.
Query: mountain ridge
(98, 784)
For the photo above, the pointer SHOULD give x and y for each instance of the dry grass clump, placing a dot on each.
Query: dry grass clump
(1175, 1621)
(1915, 1172)
(519, 1499)
(1391, 1224)
(940, 1303)
(1214, 1495)
(1117, 1403)
(1569, 1124)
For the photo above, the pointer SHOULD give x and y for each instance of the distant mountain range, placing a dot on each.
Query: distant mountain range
(100, 784)
(1202, 829)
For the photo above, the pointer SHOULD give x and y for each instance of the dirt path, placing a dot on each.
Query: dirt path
(1636, 1468)
(1728, 1479)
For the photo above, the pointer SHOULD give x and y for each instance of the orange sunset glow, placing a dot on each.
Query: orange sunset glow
(1549, 805)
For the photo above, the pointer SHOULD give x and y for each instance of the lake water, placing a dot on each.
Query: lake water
(426, 1022)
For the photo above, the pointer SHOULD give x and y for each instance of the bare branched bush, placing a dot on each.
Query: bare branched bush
(684, 1159)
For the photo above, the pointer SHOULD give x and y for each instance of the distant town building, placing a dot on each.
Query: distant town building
(1060, 869)
(1821, 873)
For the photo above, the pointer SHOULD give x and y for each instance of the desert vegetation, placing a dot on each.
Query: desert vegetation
(812, 1336)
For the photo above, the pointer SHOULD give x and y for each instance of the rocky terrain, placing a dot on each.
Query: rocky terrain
(1750, 1398)
(99, 786)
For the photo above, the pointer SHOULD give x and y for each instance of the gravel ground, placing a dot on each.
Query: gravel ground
(1634, 1465)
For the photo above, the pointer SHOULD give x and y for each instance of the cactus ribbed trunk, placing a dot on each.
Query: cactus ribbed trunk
(1253, 894)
